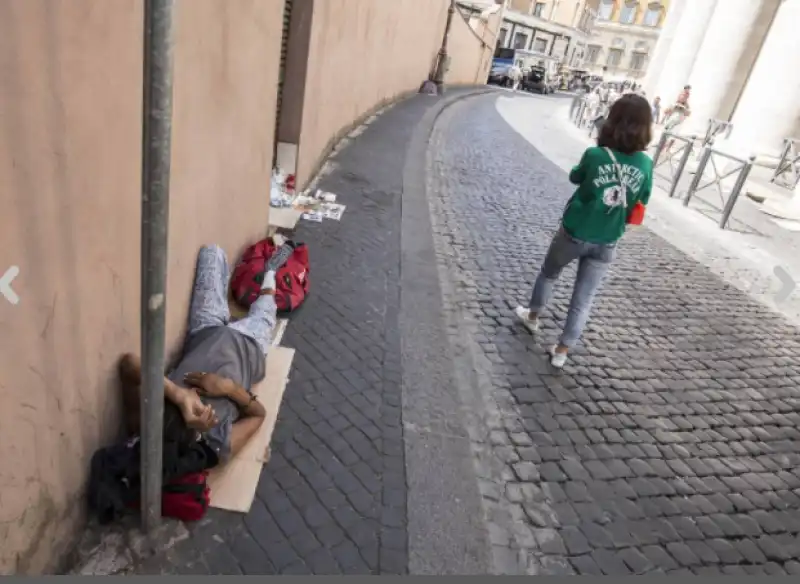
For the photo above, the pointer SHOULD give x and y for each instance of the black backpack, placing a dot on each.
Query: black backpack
(115, 477)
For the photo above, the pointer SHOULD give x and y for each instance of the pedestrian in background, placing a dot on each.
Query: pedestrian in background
(613, 179)
(515, 75)
(656, 110)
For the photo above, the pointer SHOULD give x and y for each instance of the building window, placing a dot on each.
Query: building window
(637, 61)
(501, 37)
(614, 57)
(628, 14)
(606, 10)
(520, 40)
(587, 20)
(592, 54)
(653, 15)
(641, 46)
(538, 9)
(540, 45)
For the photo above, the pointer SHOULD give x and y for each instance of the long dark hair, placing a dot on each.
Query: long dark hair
(629, 127)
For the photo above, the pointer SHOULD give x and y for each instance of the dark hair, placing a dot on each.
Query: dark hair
(687, 86)
(628, 128)
(175, 429)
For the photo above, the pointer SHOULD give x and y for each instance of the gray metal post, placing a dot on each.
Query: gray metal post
(441, 63)
(156, 152)
(737, 189)
(787, 146)
(687, 152)
(701, 167)
(578, 119)
(662, 142)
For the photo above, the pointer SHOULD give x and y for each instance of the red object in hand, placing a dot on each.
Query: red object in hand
(636, 216)
(290, 182)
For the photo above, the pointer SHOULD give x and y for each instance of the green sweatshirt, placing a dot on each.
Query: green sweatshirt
(595, 212)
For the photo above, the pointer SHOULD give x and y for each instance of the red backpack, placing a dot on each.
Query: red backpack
(187, 497)
(291, 279)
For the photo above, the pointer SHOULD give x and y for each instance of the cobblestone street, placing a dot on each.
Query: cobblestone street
(670, 443)
(423, 431)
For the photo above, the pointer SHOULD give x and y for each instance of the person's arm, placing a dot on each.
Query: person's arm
(241, 432)
(578, 173)
(195, 413)
(248, 404)
(213, 385)
(252, 411)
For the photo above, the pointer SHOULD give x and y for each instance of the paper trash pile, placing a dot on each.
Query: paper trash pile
(281, 192)
(321, 205)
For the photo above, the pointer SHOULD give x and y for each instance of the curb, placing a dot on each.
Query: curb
(446, 521)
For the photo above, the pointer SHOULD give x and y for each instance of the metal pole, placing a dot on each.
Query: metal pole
(662, 142)
(787, 146)
(441, 63)
(687, 152)
(698, 175)
(156, 152)
(737, 189)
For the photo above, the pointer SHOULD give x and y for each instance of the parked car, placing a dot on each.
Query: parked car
(498, 75)
(536, 81)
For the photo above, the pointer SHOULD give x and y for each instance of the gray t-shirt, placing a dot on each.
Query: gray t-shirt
(230, 354)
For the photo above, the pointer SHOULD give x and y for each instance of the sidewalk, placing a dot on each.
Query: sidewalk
(333, 497)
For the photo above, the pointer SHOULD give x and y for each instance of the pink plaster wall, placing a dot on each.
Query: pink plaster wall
(362, 53)
(70, 158)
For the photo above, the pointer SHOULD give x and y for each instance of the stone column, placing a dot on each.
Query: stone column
(727, 53)
(683, 51)
(769, 107)
(665, 38)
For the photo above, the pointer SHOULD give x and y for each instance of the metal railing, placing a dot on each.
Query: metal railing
(716, 129)
(664, 154)
(742, 170)
(787, 173)
(578, 110)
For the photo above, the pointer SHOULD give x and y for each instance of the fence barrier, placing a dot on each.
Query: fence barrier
(716, 129)
(787, 173)
(742, 170)
(682, 154)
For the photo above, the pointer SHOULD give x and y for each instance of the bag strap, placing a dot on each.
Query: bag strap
(620, 177)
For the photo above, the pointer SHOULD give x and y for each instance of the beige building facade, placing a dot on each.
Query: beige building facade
(557, 28)
(624, 37)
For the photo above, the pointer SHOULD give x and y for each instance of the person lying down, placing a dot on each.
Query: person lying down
(222, 361)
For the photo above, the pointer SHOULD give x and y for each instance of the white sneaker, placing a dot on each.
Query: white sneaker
(523, 314)
(557, 360)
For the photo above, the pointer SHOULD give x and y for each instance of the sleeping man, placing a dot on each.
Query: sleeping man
(221, 362)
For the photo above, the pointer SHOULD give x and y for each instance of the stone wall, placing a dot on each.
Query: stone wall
(471, 48)
(347, 57)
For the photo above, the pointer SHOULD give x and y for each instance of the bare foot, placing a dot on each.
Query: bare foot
(130, 369)
(130, 374)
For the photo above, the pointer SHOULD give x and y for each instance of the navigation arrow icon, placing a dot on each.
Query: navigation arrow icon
(5, 285)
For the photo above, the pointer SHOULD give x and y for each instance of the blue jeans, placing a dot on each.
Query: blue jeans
(209, 305)
(593, 262)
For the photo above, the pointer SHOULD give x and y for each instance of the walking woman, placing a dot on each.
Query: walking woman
(614, 183)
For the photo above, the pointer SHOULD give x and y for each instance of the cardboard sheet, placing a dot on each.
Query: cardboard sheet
(233, 485)
(284, 217)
